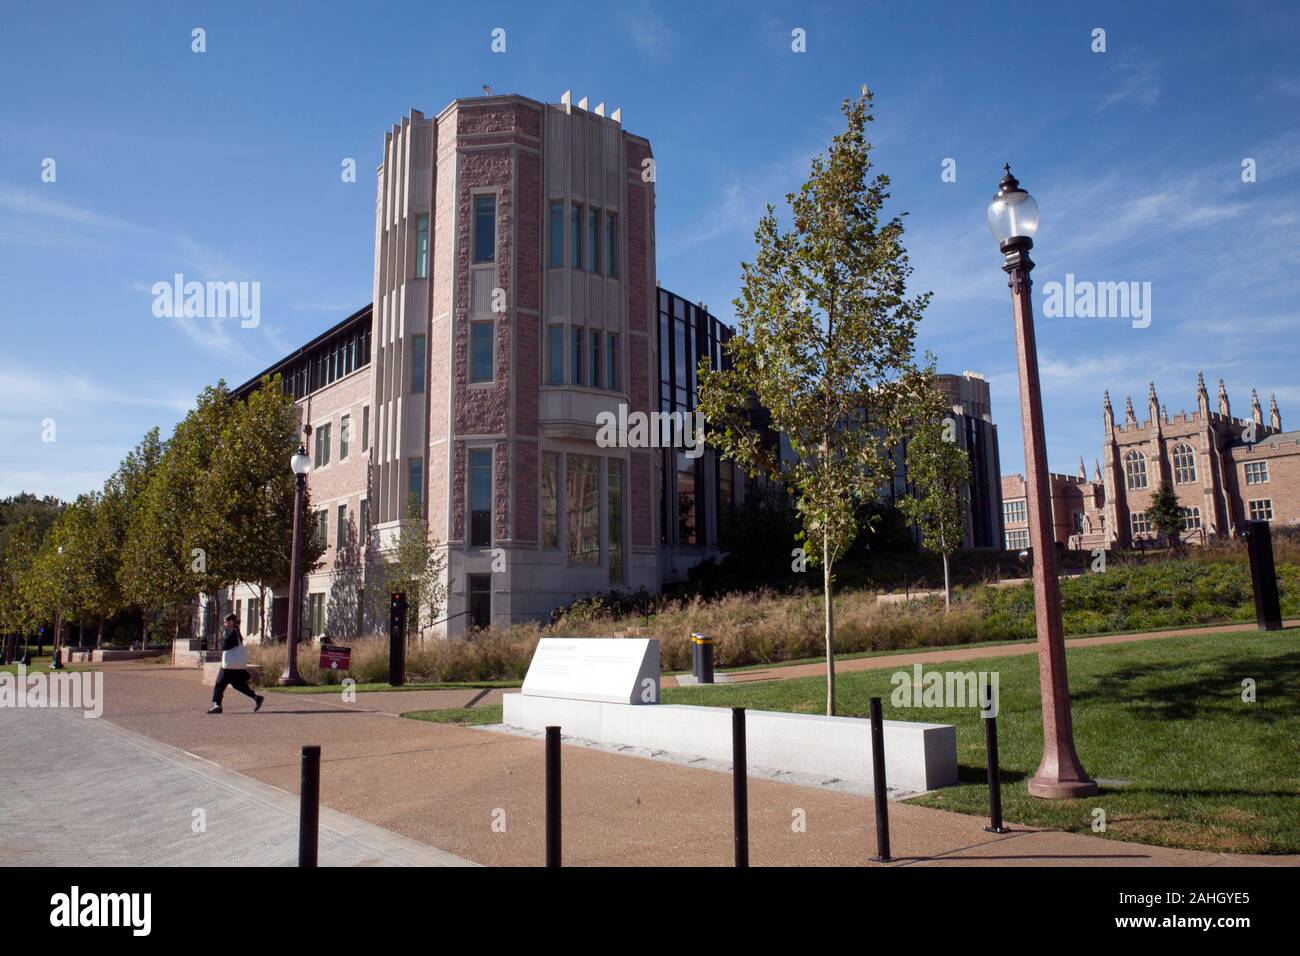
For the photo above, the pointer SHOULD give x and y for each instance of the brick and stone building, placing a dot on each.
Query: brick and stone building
(1225, 471)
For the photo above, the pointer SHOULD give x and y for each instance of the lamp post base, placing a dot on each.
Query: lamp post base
(1050, 788)
(290, 680)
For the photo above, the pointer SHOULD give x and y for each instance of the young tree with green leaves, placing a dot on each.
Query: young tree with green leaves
(825, 345)
(1166, 515)
(123, 496)
(415, 565)
(938, 469)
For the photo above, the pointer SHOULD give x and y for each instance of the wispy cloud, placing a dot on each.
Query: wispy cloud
(1130, 77)
(649, 32)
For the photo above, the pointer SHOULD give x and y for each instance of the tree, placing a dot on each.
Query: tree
(415, 565)
(937, 470)
(123, 497)
(25, 520)
(1166, 515)
(825, 346)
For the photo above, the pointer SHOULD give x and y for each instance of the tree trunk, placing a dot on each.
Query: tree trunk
(99, 637)
(830, 627)
(947, 587)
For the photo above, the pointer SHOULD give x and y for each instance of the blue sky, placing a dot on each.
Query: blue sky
(225, 165)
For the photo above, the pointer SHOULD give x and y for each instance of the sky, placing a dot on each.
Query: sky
(225, 165)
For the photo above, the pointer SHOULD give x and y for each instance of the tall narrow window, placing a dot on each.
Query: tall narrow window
(615, 505)
(611, 242)
(341, 528)
(363, 520)
(557, 235)
(417, 363)
(550, 499)
(485, 228)
(323, 528)
(480, 348)
(577, 356)
(595, 359)
(1135, 469)
(593, 241)
(422, 246)
(576, 216)
(555, 355)
(414, 486)
(480, 601)
(345, 436)
(321, 444)
(480, 497)
(582, 507)
(611, 366)
(365, 428)
(1184, 458)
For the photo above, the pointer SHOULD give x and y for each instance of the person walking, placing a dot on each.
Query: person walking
(234, 668)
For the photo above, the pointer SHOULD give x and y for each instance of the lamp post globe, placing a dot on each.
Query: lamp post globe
(1013, 220)
(299, 464)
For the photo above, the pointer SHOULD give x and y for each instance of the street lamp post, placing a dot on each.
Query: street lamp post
(1013, 219)
(300, 464)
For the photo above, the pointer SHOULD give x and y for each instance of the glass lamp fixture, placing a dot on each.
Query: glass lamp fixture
(1013, 213)
(300, 463)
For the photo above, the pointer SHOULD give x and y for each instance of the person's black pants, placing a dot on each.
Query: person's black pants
(237, 679)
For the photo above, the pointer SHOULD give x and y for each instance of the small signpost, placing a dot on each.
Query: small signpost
(397, 639)
(334, 657)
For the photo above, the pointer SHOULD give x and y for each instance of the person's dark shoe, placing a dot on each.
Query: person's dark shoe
(215, 709)
(257, 703)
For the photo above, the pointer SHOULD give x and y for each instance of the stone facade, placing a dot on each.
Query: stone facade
(1225, 471)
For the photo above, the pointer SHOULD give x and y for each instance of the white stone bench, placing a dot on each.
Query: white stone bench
(918, 756)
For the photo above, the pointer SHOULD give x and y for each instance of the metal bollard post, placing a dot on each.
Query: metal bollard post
(702, 658)
(1263, 576)
(878, 780)
(994, 775)
(740, 785)
(552, 796)
(309, 806)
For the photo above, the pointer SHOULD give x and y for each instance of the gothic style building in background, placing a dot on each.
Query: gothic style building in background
(1226, 471)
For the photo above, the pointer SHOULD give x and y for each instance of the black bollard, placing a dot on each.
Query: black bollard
(397, 639)
(1263, 576)
(994, 775)
(878, 780)
(552, 796)
(740, 785)
(309, 806)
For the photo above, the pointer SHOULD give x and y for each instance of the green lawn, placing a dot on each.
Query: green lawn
(41, 665)
(383, 687)
(1193, 765)
(469, 716)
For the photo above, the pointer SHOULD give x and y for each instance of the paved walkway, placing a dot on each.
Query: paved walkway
(965, 652)
(479, 795)
(85, 792)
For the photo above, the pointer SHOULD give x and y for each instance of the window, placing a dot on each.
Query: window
(582, 507)
(577, 356)
(1184, 458)
(422, 246)
(615, 506)
(611, 366)
(557, 235)
(322, 527)
(365, 428)
(1078, 523)
(480, 497)
(322, 445)
(611, 240)
(417, 364)
(480, 601)
(341, 529)
(480, 351)
(595, 359)
(415, 484)
(550, 499)
(593, 242)
(1191, 518)
(345, 436)
(1135, 468)
(688, 512)
(316, 613)
(253, 624)
(363, 520)
(1256, 472)
(1013, 511)
(555, 355)
(1017, 540)
(1261, 509)
(485, 228)
(575, 216)
(1141, 523)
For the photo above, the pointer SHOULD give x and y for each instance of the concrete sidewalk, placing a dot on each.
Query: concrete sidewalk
(86, 792)
(479, 795)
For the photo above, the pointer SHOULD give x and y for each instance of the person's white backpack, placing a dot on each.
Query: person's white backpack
(235, 659)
